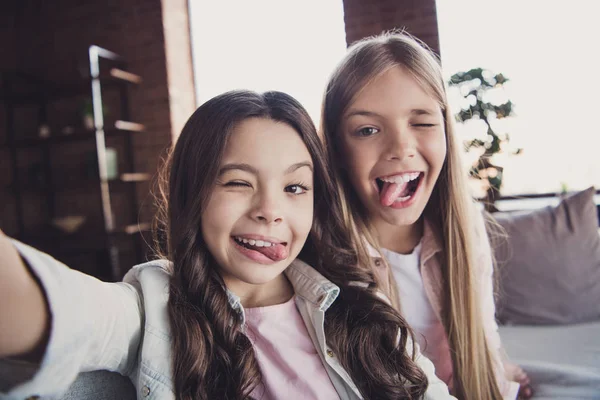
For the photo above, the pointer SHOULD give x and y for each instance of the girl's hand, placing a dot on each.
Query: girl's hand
(24, 317)
(516, 374)
(525, 390)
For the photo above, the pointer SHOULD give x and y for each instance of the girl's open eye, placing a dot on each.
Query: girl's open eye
(296, 189)
(367, 131)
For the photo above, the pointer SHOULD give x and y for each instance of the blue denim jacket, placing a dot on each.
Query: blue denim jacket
(124, 327)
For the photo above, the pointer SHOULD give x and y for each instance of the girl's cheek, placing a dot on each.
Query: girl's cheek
(225, 203)
(362, 158)
(350, 152)
(435, 144)
(443, 146)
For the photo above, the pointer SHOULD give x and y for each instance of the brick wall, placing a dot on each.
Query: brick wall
(50, 40)
(370, 17)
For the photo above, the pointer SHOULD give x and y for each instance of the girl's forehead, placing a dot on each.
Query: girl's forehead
(265, 144)
(394, 90)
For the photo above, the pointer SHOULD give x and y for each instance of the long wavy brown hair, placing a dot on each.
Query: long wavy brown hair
(448, 208)
(212, 357)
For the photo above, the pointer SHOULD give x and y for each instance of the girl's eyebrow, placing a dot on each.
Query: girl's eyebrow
(244, 167)
(299, 165)
(249, 168)
(367, 113)
(422, 111)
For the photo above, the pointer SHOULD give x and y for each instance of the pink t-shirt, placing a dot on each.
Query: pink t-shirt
(290, 365)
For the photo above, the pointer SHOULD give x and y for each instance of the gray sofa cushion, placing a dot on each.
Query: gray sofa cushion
(94, 385)
(549, 264)
(100, 385)
(563, 361)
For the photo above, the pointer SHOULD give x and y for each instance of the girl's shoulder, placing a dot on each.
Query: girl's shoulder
(159, 269)
(151, 280)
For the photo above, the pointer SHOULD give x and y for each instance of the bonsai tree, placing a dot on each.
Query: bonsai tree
(474, 85)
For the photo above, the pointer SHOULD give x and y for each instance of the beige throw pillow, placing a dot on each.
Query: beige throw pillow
(548, 267)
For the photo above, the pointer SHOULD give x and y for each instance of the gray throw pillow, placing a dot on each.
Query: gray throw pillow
(548, 266)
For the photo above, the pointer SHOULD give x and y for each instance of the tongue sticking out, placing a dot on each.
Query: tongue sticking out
(390, 192)
(275, 252)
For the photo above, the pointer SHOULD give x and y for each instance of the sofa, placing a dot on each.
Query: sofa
(563, 362)
(548, 294)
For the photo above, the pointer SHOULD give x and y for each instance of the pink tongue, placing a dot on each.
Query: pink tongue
(390, 192)
(275, 252)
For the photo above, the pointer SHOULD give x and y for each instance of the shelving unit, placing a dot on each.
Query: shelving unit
(108, 72)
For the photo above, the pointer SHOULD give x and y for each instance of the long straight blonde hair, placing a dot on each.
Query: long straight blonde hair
(449, 208)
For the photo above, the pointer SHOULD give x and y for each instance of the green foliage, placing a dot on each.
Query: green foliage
(476, 83)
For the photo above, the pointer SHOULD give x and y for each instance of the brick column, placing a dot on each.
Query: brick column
(182, 97)
(370, 17)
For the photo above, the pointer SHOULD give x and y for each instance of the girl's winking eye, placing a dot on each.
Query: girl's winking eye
(424, 125)
(237, 184)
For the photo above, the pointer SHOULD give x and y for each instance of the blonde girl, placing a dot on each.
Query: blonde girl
(390, 139)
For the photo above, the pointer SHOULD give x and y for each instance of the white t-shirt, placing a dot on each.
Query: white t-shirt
(416, 308)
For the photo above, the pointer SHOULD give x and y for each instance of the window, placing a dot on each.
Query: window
(291, 46)
(549, 52)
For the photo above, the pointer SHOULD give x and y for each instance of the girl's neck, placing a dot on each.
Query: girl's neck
(400, 239)
(276, 291)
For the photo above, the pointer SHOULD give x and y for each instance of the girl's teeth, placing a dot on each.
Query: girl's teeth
(252, 242)
(401, 179)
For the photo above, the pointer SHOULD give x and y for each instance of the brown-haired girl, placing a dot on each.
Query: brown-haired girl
(260, 295)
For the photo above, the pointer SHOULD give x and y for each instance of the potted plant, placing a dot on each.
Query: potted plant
(475, 84)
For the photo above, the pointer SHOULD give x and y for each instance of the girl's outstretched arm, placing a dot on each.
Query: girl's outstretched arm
(24, 316)
(89, 324)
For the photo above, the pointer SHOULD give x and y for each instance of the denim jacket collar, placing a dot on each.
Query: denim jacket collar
(308, 284)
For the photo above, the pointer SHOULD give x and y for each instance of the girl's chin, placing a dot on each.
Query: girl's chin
(407, 219)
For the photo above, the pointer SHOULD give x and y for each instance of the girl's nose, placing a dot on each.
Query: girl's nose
(267, 210)
(401, 144)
